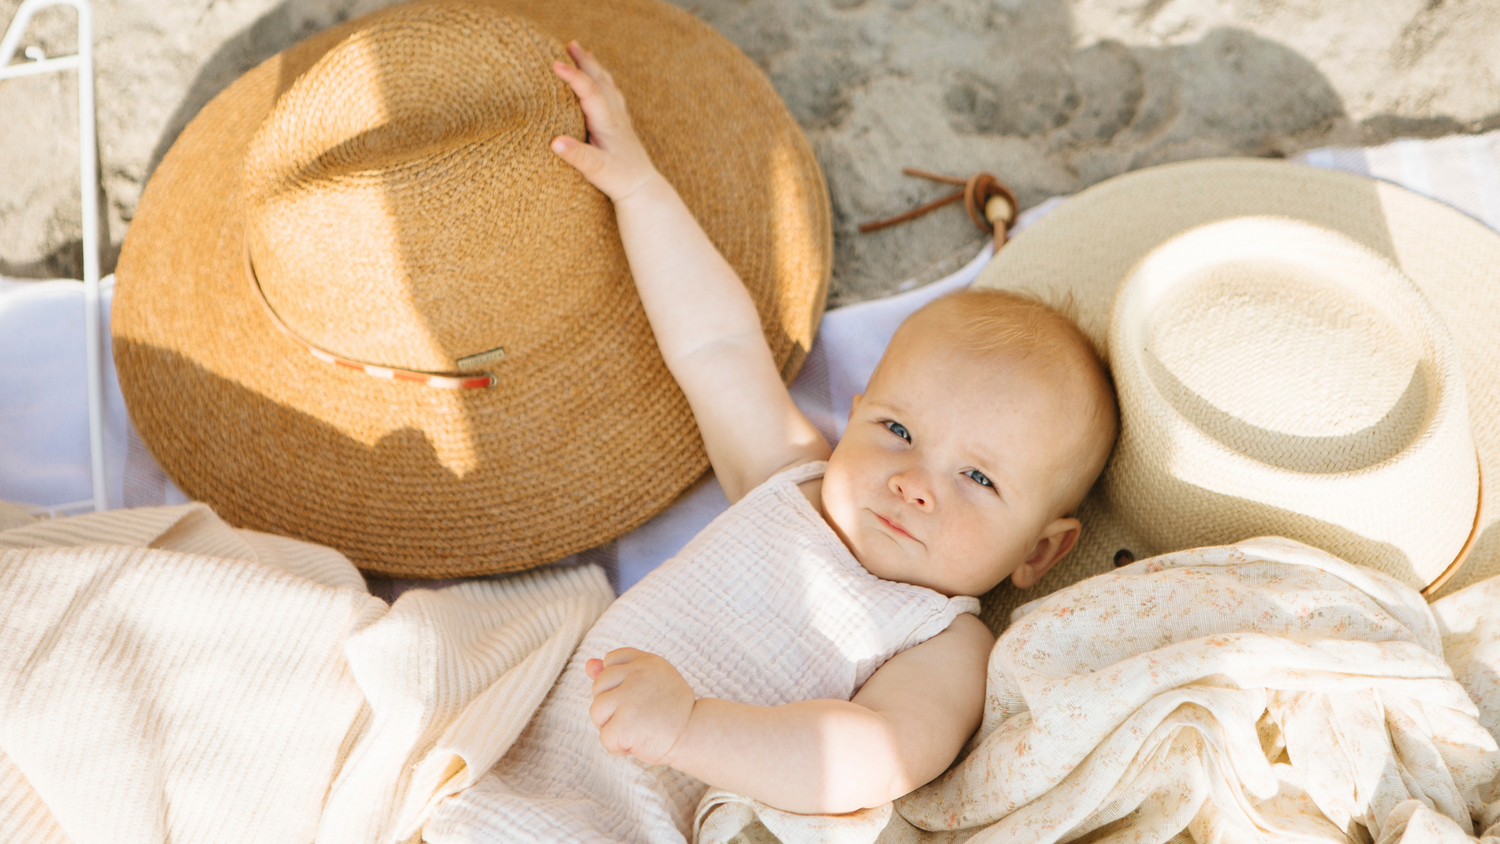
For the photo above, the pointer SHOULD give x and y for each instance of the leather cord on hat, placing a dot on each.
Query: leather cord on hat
(990, 204)
(441, 380)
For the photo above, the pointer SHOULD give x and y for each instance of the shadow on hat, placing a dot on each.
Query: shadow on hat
(363, 304)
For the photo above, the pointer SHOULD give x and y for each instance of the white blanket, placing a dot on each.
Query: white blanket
(1261, 692)
(168, 678)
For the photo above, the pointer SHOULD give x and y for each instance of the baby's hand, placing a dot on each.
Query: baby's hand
(641, 704)
(614, 160)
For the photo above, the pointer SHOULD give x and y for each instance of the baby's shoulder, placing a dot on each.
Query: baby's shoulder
(952, 664)
(812, 490)
(805, 473)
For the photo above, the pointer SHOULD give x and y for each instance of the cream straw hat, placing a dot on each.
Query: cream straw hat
(1298, 352)
(363, 304)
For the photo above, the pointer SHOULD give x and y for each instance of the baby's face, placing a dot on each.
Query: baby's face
(948, 471)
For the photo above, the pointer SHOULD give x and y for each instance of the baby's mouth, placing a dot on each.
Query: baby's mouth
(895, 528)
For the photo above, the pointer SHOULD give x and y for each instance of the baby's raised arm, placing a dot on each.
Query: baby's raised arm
(705, 323)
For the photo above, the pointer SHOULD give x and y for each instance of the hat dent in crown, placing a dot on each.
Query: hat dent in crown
(1087, 247)
(402, 199)
(432, 119)
(1279, 376)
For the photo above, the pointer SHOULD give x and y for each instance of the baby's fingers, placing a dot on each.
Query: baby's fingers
(620, 656)
(611, 671)
(586, 158)
(603, 708)
(603, 712)
(588, 63)
(599, 103)
(613, 737)
(583, 86)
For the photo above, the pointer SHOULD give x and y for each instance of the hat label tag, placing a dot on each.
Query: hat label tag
(466, 364)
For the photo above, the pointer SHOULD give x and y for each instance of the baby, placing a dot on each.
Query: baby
(815, 647)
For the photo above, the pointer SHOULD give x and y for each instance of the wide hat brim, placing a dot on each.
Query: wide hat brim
(1087, 246)
(575, 446)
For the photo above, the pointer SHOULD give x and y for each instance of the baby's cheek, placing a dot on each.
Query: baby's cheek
(835, 494)
(980, 553)
(840, 483)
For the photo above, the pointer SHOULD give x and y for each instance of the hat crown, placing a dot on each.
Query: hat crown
(1278, 377)
(1276, 356)
(432, 119)
(403, 207)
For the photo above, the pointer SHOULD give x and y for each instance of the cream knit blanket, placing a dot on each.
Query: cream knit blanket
(1261, 692)
(164, 677)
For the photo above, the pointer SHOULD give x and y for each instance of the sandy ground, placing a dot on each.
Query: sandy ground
(1050, 96)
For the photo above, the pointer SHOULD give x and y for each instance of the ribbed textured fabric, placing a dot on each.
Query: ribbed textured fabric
(766, 606)
(23, 815)
(167, 677)
(13, 516)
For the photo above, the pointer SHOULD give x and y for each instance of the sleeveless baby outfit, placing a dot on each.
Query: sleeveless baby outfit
(765, 606)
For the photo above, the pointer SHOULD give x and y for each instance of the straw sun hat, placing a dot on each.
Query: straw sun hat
(362, 303)
(1298, 352)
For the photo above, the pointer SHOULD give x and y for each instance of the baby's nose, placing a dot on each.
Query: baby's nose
(912, 489)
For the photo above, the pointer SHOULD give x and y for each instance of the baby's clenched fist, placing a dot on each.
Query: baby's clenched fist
(641, 704)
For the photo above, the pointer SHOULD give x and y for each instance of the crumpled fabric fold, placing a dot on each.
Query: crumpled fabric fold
(1245, 694)
(165, 677)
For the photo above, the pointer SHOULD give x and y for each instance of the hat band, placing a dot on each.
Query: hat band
(1463, 553)
(441, 380)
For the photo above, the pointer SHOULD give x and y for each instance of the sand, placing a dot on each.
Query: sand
(1049, 96)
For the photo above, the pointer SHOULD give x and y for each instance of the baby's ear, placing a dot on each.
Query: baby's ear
(1057, 539)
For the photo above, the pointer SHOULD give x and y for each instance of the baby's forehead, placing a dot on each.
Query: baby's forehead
(999, 386)
(925, 357)
(942, 381)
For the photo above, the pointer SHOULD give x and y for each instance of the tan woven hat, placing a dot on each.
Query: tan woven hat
(362, 303)
(1298, 352)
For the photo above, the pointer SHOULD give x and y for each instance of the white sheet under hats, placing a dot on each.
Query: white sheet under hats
(44, 456)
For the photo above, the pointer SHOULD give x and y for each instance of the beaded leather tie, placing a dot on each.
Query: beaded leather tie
(990, 204)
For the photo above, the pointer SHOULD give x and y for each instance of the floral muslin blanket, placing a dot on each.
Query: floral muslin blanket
(1258, 692)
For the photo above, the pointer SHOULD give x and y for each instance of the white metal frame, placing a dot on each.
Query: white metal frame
(88, 187)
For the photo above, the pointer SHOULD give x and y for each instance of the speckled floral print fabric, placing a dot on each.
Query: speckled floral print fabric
(1257, 692)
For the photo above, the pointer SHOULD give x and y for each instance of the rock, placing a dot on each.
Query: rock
(1051, 97)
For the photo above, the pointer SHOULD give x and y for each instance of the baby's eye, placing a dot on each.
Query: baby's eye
(978, 477)
(898, 429)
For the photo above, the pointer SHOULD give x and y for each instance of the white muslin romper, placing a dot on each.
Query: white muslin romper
(765, 606)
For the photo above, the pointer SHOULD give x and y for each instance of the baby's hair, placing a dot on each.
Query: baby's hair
(1017, 324)
(1024, 328)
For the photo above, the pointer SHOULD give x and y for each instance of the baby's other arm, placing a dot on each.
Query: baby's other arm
(902, 729)
(705, 323)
